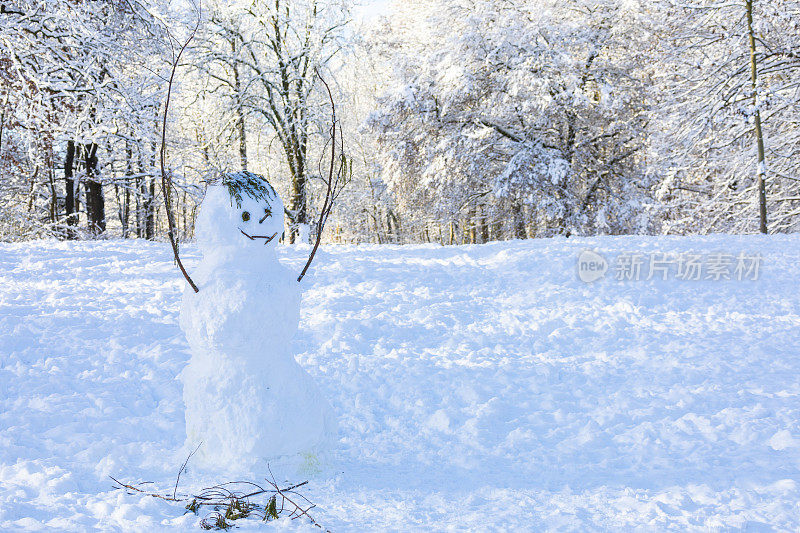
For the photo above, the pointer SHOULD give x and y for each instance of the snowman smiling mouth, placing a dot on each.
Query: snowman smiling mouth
(266, 238)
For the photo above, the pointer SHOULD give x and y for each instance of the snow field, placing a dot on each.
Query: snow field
(476, 388)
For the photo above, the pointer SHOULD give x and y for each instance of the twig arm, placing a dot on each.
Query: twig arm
(327, 205)
(166, 181)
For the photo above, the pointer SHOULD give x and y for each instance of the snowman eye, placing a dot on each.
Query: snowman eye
(245, 216)
(267, 214)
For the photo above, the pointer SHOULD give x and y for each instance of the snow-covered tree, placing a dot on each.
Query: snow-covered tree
(262, 58)
(86, 93)
(501, 109)
(726, 148)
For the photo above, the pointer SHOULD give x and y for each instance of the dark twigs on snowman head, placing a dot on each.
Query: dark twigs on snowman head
(339, 173)
(244, 183)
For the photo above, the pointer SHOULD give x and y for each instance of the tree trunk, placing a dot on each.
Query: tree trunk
(126, 211)
(149, 208)
(123, 205)
(138, 185)
(472, 233)
(518, 221)
(3, 124)
(762, 165)
(240, 123)
(145, 215)
(32, 190)
(375, 216)
(126, 205)
(183, 206)
(392, 227)
(95, 203)
(70, 199)
(298, 201)
(298, 206)
(452, 236)
(483, 226)
(496, 230)
(52, 180)
(148, 190)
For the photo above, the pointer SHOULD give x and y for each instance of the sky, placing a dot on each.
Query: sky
(372, 8)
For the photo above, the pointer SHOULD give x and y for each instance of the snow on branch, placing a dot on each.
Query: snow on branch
(8, 11)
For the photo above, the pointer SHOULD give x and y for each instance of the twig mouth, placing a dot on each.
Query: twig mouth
(266, 238)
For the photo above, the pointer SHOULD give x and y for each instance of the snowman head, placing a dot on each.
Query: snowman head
(240, 209)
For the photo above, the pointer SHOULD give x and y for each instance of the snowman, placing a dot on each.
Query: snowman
(247, 400)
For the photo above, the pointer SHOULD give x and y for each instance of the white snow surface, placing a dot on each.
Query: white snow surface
(480, 388)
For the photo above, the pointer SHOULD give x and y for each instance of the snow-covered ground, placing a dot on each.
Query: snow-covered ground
(477, 388)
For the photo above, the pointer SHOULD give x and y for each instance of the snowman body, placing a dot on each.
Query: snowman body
(247, 400)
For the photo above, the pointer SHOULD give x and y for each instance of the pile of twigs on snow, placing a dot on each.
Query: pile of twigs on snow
(235, 500)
